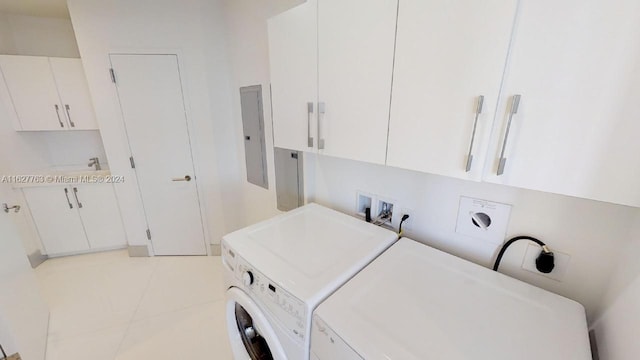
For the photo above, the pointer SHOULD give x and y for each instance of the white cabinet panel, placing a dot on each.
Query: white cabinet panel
(33, 92)
(293, 55)
(448, 55)
(100, 215)
(74, 93)
(575, 64)
(56, 217)
(355, 60)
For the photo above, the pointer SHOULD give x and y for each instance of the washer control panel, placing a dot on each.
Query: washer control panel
(286, 308)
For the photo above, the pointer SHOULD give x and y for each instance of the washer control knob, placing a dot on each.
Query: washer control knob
(247, 278)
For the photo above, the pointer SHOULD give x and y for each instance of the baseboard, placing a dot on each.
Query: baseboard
(138, 251)
(36, 258)
(215, 250)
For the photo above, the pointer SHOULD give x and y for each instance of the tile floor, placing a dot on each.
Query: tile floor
(108, 306)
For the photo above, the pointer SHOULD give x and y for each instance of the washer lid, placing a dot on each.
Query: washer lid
(415, 302)
(310, 251)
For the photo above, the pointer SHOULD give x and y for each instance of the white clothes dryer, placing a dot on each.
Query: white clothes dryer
(279, 270)
(415, 303)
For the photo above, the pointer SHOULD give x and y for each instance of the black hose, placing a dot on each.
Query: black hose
(511, 241)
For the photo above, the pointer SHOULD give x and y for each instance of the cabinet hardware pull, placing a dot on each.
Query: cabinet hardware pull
(67, 108)
(309, 114)
(515, 104)
(58, 114)
(473, 132)
(321, 110)
(75, 194)
(66, 193)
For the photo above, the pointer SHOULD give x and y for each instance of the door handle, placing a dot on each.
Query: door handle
(185, 178)
(66, 193)
(58, 114)
(67, 108)
(473, 133)
(6, 208)
(75, 194)
(515, 103)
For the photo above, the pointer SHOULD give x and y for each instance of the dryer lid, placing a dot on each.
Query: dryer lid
(415, 302)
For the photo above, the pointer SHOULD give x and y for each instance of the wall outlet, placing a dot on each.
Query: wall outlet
(483, 219)
(561, 261)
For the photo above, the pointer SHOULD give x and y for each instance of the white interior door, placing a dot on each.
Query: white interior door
(55, 214)
(448, 56)
(74, 93)
(153, 108)
(33, 92)
(24, 315)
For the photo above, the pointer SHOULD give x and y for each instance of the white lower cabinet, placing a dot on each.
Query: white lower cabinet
(76, 218)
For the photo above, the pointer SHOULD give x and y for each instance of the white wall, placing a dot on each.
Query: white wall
(30, 35)
(617, 327)
(195, 30)
(249, 54)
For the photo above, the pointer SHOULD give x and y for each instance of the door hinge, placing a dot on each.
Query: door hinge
(148, 234)
(113, 75)
(133, 164)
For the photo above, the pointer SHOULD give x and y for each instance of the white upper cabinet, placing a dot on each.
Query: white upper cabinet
(293, 54)
(74, 93)
(450, 55)
(355, 61)
(33, 93)
(47, 93)
(575, 132)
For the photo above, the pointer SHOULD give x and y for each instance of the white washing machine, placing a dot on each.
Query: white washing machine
(414, 302)
(279, 270)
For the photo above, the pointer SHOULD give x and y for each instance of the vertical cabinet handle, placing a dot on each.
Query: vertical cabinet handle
(515, 103)
(473, 132)
(309, 114)
(67, 108)
(321, 110)
(58, 114)
(66, 193)
(75, 194)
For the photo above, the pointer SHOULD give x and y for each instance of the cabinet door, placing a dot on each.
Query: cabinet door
(575, 65)
(100, 215)
(355, 61)
(293, 55)
(33, 92)
(74, 93)
(449, 56)
(56, 217)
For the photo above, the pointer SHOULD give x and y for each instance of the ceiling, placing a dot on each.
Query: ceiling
(45, 8)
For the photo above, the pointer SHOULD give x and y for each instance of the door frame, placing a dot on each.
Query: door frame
(190, 130)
